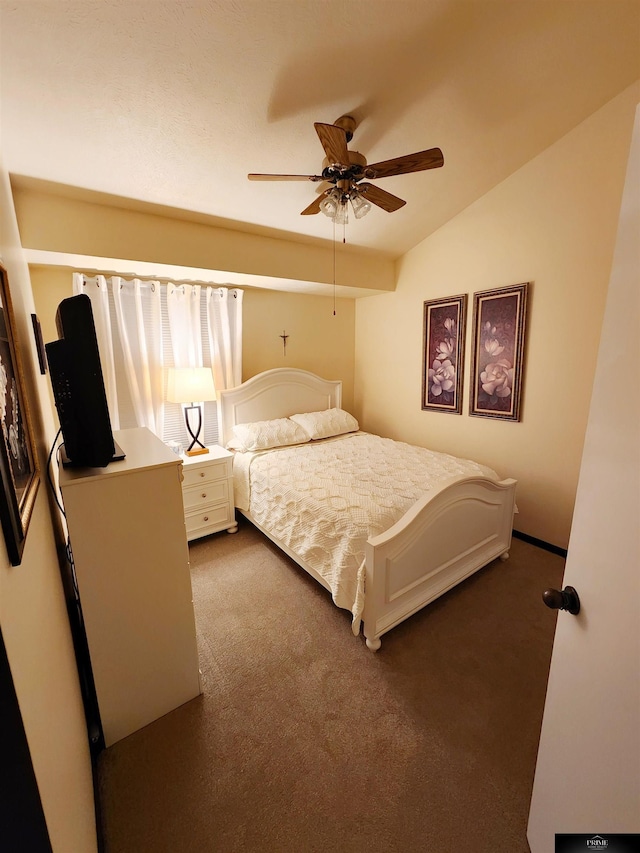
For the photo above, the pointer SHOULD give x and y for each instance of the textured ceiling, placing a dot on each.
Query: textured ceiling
(174, 103)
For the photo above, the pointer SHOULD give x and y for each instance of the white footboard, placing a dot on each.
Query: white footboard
(443, 539)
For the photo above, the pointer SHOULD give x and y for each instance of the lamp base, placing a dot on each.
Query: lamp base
(194, 450)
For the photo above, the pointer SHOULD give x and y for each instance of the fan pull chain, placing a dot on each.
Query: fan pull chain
(334, 268)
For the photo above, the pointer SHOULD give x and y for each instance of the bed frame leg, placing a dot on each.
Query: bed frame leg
(374, 644)
(504, 556)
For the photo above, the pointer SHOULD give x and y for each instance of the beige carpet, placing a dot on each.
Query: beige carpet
(304, 740)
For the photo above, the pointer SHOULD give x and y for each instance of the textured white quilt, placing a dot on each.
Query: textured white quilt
(324, 499)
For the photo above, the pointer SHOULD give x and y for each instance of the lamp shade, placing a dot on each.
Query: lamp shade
(329, 205)
(360, 206)
(190, 385)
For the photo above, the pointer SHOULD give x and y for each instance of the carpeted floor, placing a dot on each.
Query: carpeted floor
(304, 740)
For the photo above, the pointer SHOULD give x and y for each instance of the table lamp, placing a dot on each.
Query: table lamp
(192, 385)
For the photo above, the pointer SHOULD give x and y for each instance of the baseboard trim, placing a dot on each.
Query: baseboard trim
(540, 543)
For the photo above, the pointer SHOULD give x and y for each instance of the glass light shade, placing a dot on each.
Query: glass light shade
(190, 385)
(329, 206)
(342, 213)
(360, 206)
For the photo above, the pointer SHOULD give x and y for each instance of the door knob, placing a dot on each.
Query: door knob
(566, 599)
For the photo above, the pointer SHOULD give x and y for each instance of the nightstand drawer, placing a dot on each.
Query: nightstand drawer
(208, 521)
(193, 475)
(205, 493)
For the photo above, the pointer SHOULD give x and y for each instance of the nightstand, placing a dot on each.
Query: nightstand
(207, 493)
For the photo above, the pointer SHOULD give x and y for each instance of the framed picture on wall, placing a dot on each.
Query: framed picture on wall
(18, 460)
(443, 354)
(499, 318)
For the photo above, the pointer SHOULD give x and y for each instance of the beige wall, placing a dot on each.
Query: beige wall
(317, 340)
(552, 223)
(33, 614)
(50, 286)
(57, 223)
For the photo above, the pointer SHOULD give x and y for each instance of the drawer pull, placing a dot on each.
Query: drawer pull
(202, 473)
(204, 494)
(206, 518)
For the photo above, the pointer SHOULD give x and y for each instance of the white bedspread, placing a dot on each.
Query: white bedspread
(324, 499)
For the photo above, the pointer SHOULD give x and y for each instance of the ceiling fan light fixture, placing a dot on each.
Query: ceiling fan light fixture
(342, 213)
(329, 205)
(335, 204)
(360, 206)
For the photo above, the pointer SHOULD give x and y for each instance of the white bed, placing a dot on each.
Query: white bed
(460, 524)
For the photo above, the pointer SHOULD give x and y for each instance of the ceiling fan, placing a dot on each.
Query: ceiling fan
(346, 170)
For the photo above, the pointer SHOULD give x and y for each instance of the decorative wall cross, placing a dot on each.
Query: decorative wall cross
(284, 337)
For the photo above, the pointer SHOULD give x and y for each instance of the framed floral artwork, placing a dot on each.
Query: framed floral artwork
(443, 354)
(499, 318)
(18, 459)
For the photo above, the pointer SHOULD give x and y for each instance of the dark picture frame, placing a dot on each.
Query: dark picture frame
(499, 325)
(19, 469)
(444, 329)
(37, 334)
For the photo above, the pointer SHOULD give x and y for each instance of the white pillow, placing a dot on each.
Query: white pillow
(327, 423)
(261, 435)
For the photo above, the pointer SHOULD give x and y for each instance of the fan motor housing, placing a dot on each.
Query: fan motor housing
(354, 171)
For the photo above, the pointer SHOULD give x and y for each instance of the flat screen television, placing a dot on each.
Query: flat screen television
(78, 387)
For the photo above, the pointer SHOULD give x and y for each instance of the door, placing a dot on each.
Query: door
(587, 776)
(22, 821)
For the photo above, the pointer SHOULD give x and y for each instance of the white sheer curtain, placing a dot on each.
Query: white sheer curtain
(137, 306)
(144, 327)
(221, 322)
(129, 331)
(224, 323)
(183, 308)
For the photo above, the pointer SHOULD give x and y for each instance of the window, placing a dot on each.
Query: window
(137, 347)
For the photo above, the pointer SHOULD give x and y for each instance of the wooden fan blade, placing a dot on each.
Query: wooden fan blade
(256, 177)
(382, 198)
(314, 207)
(334, 142)
(418, 162)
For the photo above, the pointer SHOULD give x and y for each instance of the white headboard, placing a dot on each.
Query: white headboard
(276, 393)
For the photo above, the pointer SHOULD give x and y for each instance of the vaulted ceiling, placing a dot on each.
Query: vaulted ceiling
(173, 103)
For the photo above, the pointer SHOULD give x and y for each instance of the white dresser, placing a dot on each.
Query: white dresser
(207, 493)
(127, 535)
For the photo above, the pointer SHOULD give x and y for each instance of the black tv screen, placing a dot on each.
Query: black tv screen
(78, 387)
